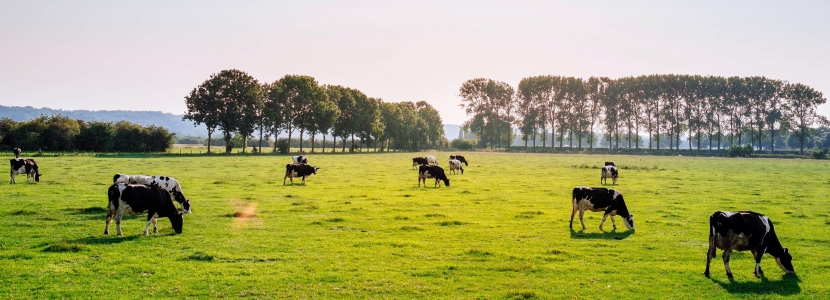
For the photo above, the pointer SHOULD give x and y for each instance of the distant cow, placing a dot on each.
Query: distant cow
(461, 158)
(136, 199)
(24, 166)
(300, 159)
(455, 165)
(431, 159)
(17, 152)
(419, 161)
(169, 184)
(610, 163)
(436, 172)
(609, 172)
(745, 230)
(600, 199)
(299, 170)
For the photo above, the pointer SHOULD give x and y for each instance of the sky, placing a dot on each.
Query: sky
(148, 55)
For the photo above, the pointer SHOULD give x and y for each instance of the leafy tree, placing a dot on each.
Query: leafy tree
(296, 94)
(802, 102)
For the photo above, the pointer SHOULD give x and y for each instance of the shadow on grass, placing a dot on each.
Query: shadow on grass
(788, 285)
(607, 235)
(106, 239)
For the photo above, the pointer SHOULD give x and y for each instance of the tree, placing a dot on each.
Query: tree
(802, 102)
(297, 93)
(345, 123)
(204, 105)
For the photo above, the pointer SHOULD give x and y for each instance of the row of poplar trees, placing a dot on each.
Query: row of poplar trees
(714, 108)
(233, 102)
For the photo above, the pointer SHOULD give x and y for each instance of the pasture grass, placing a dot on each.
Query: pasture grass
(362, 228)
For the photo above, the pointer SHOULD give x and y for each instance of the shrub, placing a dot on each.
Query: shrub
(742, 151)
(283, 146)
(819, 153)
(461, 144)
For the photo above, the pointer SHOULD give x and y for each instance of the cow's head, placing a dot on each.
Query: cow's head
(629, 222)
(447, 182)
(37, 177)
(314, 169)
(185, 204)
(176, 221)
(785, 261)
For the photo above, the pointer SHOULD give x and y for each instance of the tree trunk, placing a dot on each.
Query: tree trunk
(210, 133)
(324, 143)
(301, 139)
(228, 145)
(312, 142)
(352, 147)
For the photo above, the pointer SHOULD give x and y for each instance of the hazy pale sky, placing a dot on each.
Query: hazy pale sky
(147, 55)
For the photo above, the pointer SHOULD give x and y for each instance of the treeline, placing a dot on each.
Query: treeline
(708, 111)
(61, 133)
(235, 103)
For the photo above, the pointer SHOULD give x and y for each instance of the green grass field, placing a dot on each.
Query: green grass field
(362, 228)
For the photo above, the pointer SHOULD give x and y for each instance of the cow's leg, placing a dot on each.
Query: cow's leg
(758, 256)
(150, 216)
(710, 254)
(12, 175)
(155, 224)
(573, 212)
(283, 179)
(614, 180)
(613, 222)
(726, 254)
(303, 179)
(118, 217)
(109, 219)
(436, 182)
(581, 220)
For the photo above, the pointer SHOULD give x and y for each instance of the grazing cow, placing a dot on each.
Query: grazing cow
(610, 163)
(431, 159)
(600, 199)
(17, 152)
(419, 161)
(461, 158)
(24, 166)
(609, 172)
(300, 159)
(436, 172)
(136, 199)
(745, 230)
(455, 165)
(299, 170)
(169, 184)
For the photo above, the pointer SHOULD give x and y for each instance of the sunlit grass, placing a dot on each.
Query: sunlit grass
(362, 228)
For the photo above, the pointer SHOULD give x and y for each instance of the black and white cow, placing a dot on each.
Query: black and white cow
(24, 166)
(461, 158)
(455, 165)
(419, 161)
(300, 159)
(600, 199)
(609, 172)
(745, 230)
(169, 184)
(299, 170)
(17, 152)
(436, 172)
(136, 199)
(610, 163)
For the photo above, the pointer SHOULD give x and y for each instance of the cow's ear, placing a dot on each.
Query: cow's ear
(786, 250)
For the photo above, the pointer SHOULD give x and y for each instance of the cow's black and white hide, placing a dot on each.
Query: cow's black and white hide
(21, 166)
(169, 184)
(600, 199)
(745, 230)
(136, 199)
(461, 158)
(300, 159)
(455, 165)
(610, 163)
(608, 172)
(419, 161)
(298, 170)
(436, 172)
(17, 152)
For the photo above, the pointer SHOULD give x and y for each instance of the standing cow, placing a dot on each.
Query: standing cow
(745, 230)
(300, 159)
(419, 161)
(24, 166)
(136, 199)
(600, 199)
(436, 172)
(455, 165)
(298, 170)
(608, 172)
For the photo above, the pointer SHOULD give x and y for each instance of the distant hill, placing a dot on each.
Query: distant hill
(170, 121)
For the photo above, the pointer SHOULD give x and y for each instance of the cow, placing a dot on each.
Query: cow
(24, 166)
(610, 163)
(419, 161)
(745, 230)
(431, 159)
(300, 159)
(609, 172)
(136, 199)
(298, 170)
(455, 165)
(436, 172)
(17, 152)
(461, 158)
(600, 199)
(170, 184)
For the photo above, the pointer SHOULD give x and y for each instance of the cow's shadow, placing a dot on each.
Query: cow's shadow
(106, 239)
(788, 285)
(605, 235)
